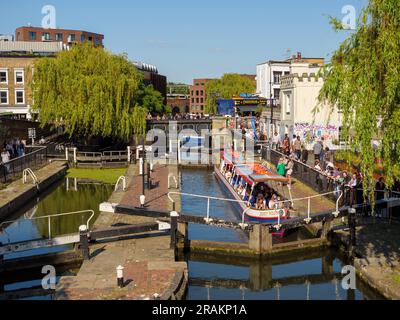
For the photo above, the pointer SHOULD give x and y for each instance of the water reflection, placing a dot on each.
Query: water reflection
(55, 201)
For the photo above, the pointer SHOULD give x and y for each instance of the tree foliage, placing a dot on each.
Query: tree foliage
(229, 85)
(363, 81)
(150, 98)
(89, 91)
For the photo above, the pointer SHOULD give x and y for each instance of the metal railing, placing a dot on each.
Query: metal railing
(49, 219)
(14, 169)
(313, 178)
(207, 219)
(280, 204)
(29, 172)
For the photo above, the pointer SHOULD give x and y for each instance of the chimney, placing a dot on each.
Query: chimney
(299, 56)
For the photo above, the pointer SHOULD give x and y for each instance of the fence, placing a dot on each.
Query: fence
(304, 173)
(13, 169)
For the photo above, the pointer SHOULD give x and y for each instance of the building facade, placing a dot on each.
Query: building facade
(16, 69)
(198, 97)
(299, 97)
(269, 74)
(36, 34)
(152, 77)
(179, 103)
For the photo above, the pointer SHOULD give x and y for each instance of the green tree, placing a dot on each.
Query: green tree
(363, 81)
(90, 91)
(150, 99)
(229, 85)
(177, 88)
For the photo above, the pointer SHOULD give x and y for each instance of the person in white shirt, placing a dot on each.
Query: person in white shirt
(276, 141)
(5, 157)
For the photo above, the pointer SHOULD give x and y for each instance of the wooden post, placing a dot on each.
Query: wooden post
(84, 242)
(183, 232)
(327, 265)
(1, 265)
(326, 228)
(174, 227)
(260, 239)
(352, 227)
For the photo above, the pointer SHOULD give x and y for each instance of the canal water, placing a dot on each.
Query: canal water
(298, 277)
(29, 222)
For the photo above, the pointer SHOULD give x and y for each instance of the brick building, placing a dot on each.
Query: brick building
(179, 103)
(152, 77)
(198, 97)
(16, 66)
(36, 34)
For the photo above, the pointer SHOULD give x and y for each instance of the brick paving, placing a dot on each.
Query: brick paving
(150, 267)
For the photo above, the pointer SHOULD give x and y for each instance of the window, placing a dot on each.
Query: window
(3, 96)
(197, 100)
(288, 106)
(32, 36)
(59, 37)
(19, 97)
(192, 100)
(18, 36)
(277, 77)
(72, 38)
(4, 76)
(90, 38)
(197, 92)
(202, 93)
(83, 38)
(46, 36)
(19, 76)
(202, 100)
(287, 73)
(276, 93)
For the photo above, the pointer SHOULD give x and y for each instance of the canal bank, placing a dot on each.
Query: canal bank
(376, 255)
(150, 269)
(17, 194)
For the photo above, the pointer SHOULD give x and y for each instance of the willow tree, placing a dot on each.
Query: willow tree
(363, 81)
(229, 85)
(89, 91)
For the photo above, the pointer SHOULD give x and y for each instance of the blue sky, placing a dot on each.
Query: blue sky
(195, 39)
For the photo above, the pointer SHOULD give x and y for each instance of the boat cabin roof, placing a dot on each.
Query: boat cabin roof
(257, 173)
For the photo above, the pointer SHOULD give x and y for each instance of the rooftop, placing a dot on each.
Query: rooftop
(31, 48)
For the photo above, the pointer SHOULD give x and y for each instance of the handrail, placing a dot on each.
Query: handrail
(32, 174)
(207, 219)
(49, 217)
(123, 179)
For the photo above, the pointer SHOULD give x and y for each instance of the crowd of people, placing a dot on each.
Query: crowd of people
(176, 117)
(12, 149)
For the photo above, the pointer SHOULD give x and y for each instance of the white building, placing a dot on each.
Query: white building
(269, 78)
(299, 97)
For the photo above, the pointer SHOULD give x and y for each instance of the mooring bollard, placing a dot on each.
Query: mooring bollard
(174, 227)
(84, 241)
(120, 276)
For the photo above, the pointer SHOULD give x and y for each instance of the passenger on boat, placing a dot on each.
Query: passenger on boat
(228, 175)
(272, 201)
(260, 202)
